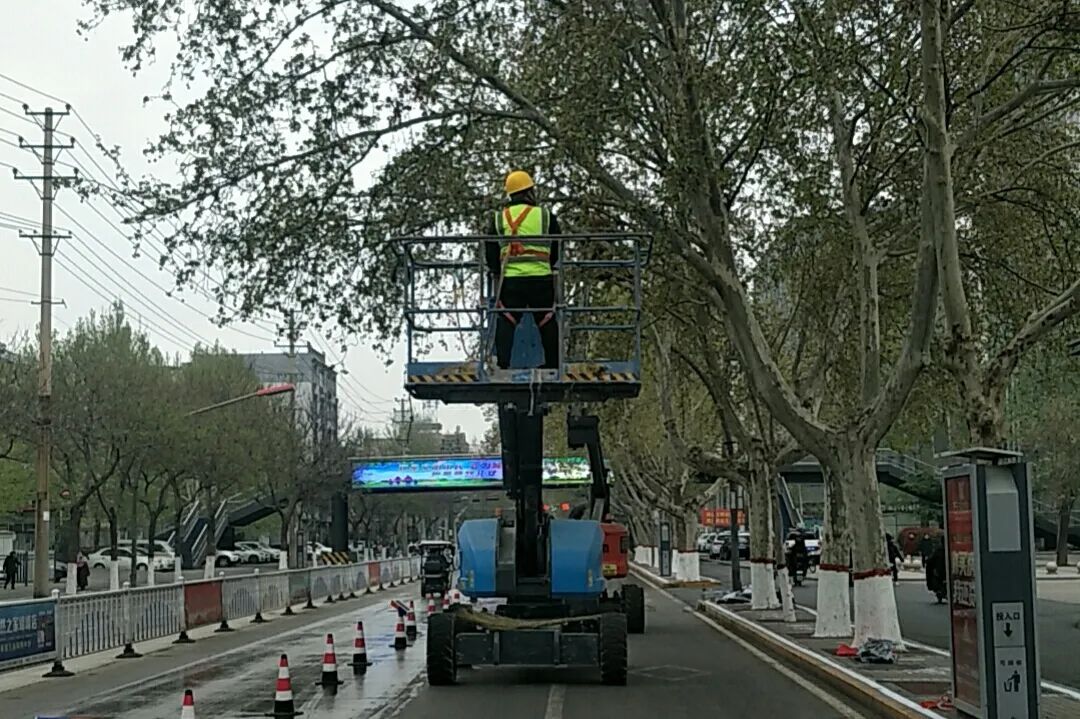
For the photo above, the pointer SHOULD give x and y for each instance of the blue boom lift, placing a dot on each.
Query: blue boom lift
(558, 610)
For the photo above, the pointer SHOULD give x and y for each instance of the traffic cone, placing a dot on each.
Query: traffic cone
(400, 642)
(430, 604)
(329, 676)
(445, 602)
(283, 698)
(187, 709)
(410, 622)
(360, 661)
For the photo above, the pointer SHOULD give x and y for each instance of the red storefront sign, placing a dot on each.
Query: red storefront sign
(720, 517)
(963, 613)
(202, 603)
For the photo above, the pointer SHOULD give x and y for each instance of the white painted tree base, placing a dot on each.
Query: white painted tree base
(687, 566)
(72, 579)
(114, 575)
(150, 578)
(762, 586)
(641, 555)
(283, 560)
(787, 599)
(833, 604)
(875, 611)
(178, 570)
(208, 568)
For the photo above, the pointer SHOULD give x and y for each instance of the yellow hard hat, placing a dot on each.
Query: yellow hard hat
(517, 181)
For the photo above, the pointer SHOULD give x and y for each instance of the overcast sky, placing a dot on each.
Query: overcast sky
(39, 47)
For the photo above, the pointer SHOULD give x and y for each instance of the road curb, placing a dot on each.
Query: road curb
(657, 580)
(869, 694)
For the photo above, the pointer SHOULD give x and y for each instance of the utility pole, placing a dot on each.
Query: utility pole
(45, 153)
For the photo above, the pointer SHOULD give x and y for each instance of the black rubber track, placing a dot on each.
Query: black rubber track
(613, 649)
(634, 602)
(441, 652)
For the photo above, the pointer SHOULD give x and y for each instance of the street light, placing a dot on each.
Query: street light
(268, 391)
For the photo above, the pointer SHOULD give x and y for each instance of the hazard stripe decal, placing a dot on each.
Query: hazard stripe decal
(568, 377)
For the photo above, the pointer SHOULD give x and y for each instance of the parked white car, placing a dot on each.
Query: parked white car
(161, 548)
(705, 541)
(227, 558)
(252, 553)
(101, 558)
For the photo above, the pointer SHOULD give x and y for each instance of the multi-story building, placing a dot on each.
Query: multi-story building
(454, 442)
(316, 386)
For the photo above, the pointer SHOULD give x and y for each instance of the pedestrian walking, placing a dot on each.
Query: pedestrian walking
(82, 573)
(11, 569)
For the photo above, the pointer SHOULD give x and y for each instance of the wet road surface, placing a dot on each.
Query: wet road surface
(239, 680)
(680, 668)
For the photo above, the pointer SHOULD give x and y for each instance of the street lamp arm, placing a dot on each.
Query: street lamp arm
(262, 392)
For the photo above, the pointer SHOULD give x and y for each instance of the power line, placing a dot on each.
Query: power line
(31, 88)
(104, 294)
(18, 292)
(136, 294)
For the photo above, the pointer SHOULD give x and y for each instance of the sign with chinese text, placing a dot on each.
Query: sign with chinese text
(419, 474)
(27, 632)
(720, 517)
(963, 612)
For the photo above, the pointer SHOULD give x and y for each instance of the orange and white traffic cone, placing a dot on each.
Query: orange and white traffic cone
(284, 706)
(445, 602)
(430, 604)
(400, 642)
(329, 676)
(360, 661)
(187, 709)
(410, 622)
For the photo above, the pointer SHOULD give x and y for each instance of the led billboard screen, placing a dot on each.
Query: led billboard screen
(455, 474)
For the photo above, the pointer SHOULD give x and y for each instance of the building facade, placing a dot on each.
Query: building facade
(315, 382)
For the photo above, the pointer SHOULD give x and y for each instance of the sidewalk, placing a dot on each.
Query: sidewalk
(921, 674)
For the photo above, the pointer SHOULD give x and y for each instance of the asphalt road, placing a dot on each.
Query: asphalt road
(923, 620)
(680, 668)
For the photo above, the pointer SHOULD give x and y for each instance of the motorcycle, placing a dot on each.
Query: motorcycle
(798, 566)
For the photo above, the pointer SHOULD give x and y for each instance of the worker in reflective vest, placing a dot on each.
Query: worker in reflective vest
(524, 270)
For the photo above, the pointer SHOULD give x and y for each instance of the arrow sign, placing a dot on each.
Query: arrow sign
(1008, 629)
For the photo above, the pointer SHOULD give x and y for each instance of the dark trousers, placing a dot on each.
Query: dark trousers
(527, 292)
(9, 580)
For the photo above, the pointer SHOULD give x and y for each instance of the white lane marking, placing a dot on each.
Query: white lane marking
(1046, 683)
(556, 695)
(841, 708)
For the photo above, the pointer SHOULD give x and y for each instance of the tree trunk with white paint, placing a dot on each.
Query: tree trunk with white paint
(114, 575)
(833, 599)
(208, 568)
(875, 599)
(686, 564)
(783, 572)
(72, 585)
(762, 582)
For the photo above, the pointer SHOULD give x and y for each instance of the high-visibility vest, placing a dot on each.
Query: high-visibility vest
(523, 258)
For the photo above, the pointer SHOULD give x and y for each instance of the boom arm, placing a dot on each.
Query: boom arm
(584, 431)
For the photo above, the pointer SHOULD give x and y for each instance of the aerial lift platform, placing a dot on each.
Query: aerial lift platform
(558, 610)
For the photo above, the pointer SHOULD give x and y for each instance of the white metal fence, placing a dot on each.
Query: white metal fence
(100, 621)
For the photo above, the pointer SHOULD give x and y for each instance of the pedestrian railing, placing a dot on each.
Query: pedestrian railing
(66, 627)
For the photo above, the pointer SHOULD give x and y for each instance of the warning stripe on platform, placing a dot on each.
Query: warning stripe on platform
(601, 377)
(442, 378)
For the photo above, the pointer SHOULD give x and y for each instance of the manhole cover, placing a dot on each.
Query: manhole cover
(669, 673)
